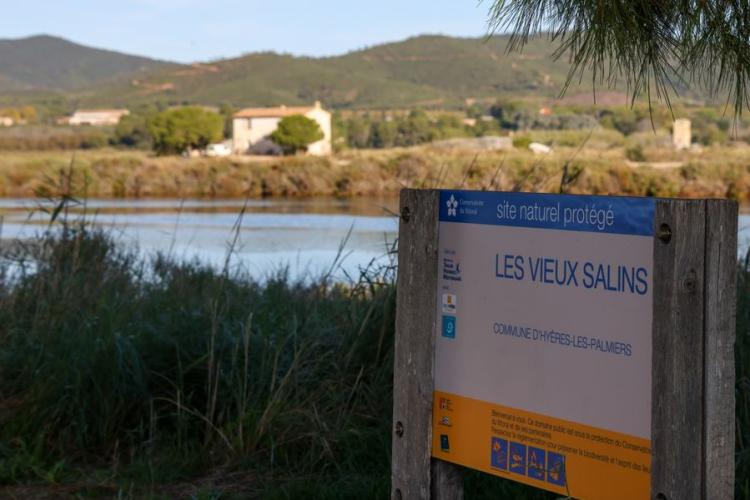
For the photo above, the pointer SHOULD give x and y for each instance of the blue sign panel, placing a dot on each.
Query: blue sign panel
(596, 214)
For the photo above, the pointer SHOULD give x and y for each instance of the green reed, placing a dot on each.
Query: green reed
(136, 377)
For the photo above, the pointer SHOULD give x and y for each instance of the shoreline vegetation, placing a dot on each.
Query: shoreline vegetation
(131, 377)
(602, 167)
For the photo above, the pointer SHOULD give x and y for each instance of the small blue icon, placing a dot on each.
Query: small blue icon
(444, 443)
(449, 327)
(536, 463)
(518, 458)
(499, 454)
(556, 468)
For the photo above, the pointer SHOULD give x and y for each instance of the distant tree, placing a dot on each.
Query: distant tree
(474, 111)
(177, 130)
(23, 113)
(416, 129)
(227, 113)
(384, 134)
(294, 133)
(358, 133)
(509, 115)
(653, 46)
(132, 131)
(486, 127)
(448, 126)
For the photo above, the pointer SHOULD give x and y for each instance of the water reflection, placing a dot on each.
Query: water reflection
(304, 236)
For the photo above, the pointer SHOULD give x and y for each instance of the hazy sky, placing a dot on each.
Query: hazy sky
(191, 30)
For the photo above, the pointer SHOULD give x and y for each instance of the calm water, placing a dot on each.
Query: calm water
(303, 235)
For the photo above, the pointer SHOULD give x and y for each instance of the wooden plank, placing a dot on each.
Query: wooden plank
(677, 363)
(416, 313)
(447, 483)
(720, 317)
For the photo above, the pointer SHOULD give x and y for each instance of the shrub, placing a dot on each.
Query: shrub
(521, 142)
(635, 153)
(295, 133)
(177, 130)
(132, 131)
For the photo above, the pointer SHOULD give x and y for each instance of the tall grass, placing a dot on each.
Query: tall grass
(716, 172)
(105, 358)
(129, 377)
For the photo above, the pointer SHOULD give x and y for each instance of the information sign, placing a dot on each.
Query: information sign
(543, 349)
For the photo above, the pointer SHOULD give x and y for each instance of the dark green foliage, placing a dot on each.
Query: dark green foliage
(428, 71)
(358, 132)
(709, 127)
(159, 372)
(521, 141)
(294, 133)
(191, 127)
(132, 131)
(109, 357)
(47, 138)
(412, 129)
(653, 46)
(121, 377)
(227, 112)
(46, 62)
(383, 134)
(635, 153)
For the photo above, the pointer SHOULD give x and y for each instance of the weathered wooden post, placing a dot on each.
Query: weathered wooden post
(662, 272)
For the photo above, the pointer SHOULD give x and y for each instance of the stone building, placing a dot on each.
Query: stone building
(252, 126)
(681, 137)
(97, 117)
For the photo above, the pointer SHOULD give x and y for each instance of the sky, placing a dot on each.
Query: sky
(200, 30)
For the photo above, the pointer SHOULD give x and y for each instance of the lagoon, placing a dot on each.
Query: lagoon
(308, 237)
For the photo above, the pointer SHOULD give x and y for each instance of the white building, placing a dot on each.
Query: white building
(97, 117)
(250, 126)
(681, 136)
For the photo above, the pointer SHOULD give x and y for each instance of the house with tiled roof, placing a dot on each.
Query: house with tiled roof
(97, 117)
(253, 126)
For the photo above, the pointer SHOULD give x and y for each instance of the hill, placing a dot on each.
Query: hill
(427, 71)
(53, 64)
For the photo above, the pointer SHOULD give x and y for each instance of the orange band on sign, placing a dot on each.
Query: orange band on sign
(560, 456)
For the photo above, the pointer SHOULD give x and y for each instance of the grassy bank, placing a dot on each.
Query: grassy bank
(604, 166)
(127, 378)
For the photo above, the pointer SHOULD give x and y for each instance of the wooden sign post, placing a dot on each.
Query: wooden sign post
(692, 288)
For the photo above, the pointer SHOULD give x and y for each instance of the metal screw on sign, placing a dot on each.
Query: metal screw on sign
(405, 214)
(690, 283)
(665, 233)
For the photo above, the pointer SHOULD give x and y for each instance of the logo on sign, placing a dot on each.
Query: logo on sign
(449, 303)
(452, 205)
(451, 269)
(449, 327)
